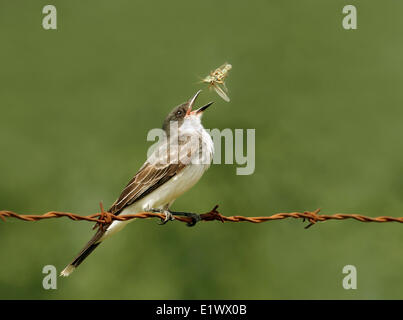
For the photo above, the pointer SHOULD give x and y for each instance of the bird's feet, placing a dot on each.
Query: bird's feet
(168, 215)
(194, 216)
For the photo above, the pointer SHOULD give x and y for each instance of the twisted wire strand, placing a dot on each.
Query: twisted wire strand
(104, 217)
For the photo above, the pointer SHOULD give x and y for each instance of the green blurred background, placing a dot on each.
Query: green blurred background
(76, 105)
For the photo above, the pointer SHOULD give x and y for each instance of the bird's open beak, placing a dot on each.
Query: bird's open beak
(199, 111)
(192, 102)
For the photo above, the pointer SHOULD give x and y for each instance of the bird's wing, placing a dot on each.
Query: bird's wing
(165, 162)
(145, 181)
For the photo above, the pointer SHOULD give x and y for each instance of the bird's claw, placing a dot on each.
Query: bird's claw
(195, 219)
(194, 216)
(168, 217)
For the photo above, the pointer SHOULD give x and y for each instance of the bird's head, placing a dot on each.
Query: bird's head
(184, 112)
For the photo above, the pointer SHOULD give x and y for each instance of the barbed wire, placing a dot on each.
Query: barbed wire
(104, 217)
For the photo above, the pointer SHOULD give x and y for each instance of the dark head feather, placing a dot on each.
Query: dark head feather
(177, 114)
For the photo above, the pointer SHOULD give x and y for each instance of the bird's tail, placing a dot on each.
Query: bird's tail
(89, 247)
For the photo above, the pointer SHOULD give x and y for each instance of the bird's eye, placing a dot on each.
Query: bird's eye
(179, 112)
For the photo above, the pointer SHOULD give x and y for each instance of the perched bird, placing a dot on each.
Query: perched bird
(176, 165)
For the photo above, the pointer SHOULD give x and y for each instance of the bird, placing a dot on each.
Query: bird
(175, 166)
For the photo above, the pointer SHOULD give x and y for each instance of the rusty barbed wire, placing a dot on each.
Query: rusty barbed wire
(104, 217)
